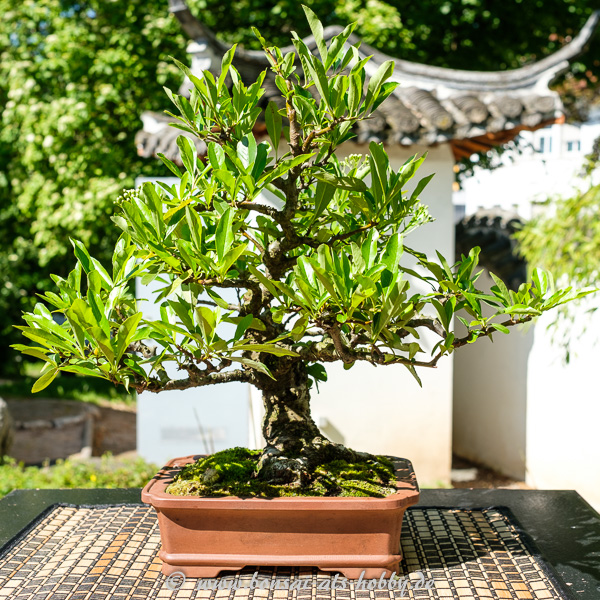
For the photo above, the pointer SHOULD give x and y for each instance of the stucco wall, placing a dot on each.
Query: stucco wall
(563, 413)
(520, 409)
(490, 398)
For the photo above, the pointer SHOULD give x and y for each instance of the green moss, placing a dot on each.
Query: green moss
(233, 472)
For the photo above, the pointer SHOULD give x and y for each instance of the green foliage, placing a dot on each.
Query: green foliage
(68, 387)
(75, 76)
(74, 79)
(108, 472)
(565, 238)
(319, 279)
(233, 472)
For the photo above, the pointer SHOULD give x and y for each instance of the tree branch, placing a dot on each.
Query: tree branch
(226, 283)
(270, 211)
(197, 380)
(333, 349)
(431, 324)
(211, 303)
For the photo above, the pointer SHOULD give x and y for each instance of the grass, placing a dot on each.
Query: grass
(66, 387)
(105, 472)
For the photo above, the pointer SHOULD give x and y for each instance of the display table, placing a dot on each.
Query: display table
(467, 544)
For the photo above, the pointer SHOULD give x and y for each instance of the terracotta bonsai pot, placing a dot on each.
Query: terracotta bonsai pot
(203, 536)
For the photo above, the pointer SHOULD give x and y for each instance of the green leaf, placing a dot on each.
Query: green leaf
(217, 299)
(216, 155)
(273, 121)
(369, 248)
(208, 320)
(104, 343)
(384, 72)
(385, 92)
(227, 179)
(254, 364)
(31, 351)
(264, 280)
(420, 187)
(313, 68)
(439, 307)
(225, 64)
(316, 28)
(246, 150)
(283, 167)
(195, 226)
(351, 184)
(46, 339)
(82, 255)
(244, 323)
(126, 332)
(188, 153)
(393, 252)
(170, 164)
(268, 348)
(224, 234)
(323, 195)
(84, 371)
(337, 45)
(45, 380)
(414, 373)
(230, 258)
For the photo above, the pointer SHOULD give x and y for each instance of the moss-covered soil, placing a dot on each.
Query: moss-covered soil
(233, 473)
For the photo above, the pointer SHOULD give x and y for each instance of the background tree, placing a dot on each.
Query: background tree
(74, 78)
(76, 74)
(565, 238)
(460, 34)
(316, 272)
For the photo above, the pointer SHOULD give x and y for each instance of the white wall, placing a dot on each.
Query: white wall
(518, 407)
(563, 413)
(490, 398)
(532, 176)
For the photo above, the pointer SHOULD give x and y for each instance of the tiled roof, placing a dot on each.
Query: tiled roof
(471, 110)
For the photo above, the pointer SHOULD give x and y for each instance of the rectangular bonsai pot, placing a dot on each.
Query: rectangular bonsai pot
(202, 536)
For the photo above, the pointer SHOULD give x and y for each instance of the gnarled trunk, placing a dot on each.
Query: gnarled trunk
(294, 444)
(287, 425)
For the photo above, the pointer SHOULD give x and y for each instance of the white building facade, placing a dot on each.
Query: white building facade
(518, 407)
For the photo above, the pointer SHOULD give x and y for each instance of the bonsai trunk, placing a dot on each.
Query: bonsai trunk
(294, 444)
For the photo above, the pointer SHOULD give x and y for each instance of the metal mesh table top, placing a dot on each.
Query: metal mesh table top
(85, 553)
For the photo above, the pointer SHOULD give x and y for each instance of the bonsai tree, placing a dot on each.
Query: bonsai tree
(299, 250)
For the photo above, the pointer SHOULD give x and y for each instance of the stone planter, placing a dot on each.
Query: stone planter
(203, 536)
(51, 429)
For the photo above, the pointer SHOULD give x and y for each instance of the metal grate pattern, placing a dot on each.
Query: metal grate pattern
(84, 553)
